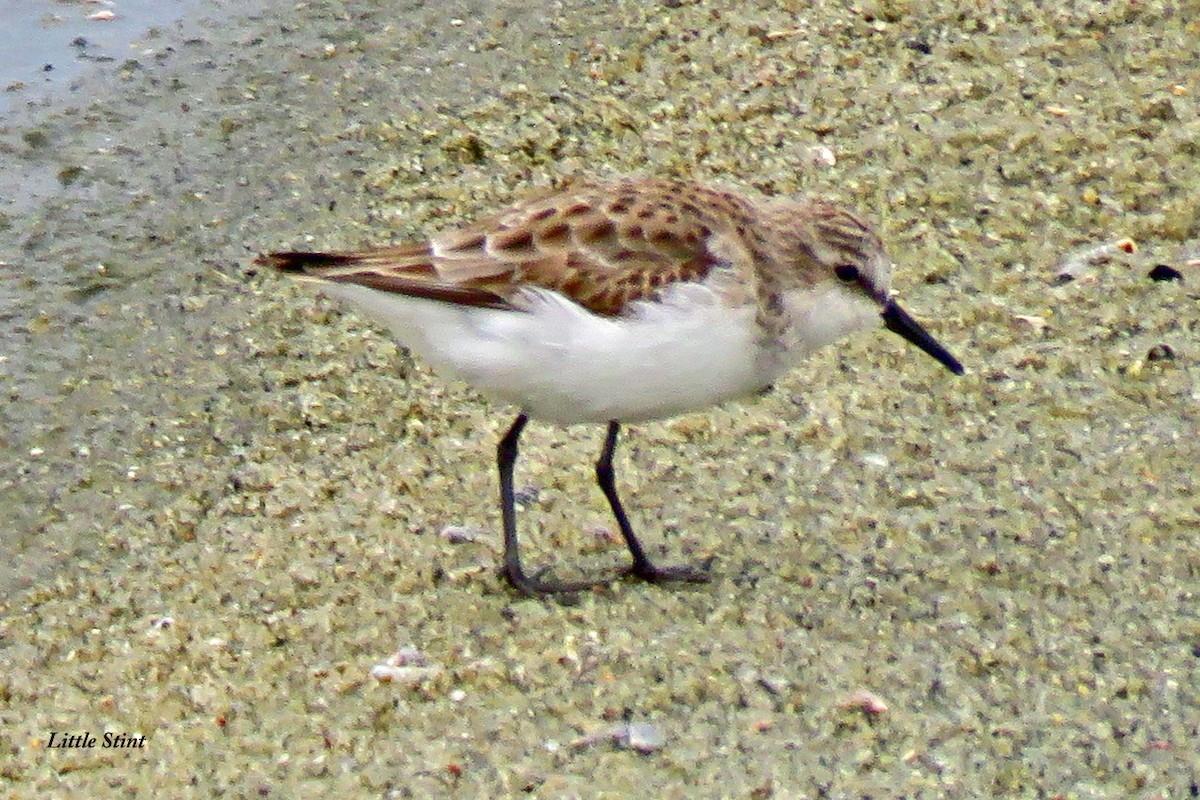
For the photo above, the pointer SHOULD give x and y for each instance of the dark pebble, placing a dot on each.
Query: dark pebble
(1163, 272)
(1161, 352)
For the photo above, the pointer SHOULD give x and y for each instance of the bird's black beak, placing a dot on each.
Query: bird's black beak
(897, 320)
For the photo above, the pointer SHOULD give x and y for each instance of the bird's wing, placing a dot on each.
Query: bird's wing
(604, 245)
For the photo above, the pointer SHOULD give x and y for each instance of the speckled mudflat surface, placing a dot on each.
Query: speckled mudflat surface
(228, 498)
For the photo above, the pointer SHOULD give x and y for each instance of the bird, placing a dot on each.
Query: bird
(622, 300)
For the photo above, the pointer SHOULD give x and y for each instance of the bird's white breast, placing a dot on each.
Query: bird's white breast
(562, 363)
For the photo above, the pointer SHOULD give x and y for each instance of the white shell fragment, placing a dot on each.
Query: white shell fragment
(404, 676)
(1077, 264)
(865, 700)
(640, 736)
(408, 666)
(822, 156)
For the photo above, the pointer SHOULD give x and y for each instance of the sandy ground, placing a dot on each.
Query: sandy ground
(229, 500)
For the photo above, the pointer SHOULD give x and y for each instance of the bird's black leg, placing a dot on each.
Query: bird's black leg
(642, 566)
(506, 459)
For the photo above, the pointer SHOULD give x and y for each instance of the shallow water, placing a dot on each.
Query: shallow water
(46, 46)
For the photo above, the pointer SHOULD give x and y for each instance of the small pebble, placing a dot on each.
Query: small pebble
(526, 496)
(867, 701)
(1033, 321)
(463, 534)
(640, 736)
(875, 460)
(1161, 352)
(407, 656)
(1165, 272)
(822, 156)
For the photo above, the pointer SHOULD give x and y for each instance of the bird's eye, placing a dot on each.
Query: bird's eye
(847, 273)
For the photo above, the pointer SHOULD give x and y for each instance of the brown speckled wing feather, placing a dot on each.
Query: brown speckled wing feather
(602, 244)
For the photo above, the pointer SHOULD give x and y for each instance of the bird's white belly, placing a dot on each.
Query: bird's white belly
(560, 363)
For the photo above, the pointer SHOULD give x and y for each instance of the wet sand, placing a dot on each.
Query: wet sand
(229, 499)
